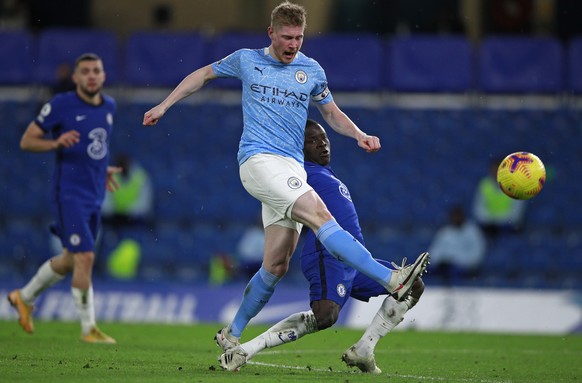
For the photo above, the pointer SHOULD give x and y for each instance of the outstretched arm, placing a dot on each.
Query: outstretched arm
(34, 140)
(342, 124)
(190, 84)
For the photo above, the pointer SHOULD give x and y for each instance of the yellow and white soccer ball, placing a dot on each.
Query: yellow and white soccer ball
(521, 175)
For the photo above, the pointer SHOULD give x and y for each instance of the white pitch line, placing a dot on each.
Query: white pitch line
(411, 377)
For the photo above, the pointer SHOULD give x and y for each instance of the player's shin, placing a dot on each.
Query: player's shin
(288, 330)
(291, 329)
(389, 315)
(85, 307)
(44, 278)
(343, 246)
(257, 293)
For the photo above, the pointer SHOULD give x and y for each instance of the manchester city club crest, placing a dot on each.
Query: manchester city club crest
(301, 77)
(294, 183)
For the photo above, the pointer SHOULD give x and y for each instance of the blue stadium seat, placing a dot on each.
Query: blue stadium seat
(520, 65)
(359, 72)
(29, 242)
(196, 243)
(574, 76)
(17, 53)
(160, 249)
(58, 46)
(162, 59)
(430, 159)
(227, 43)
(570, 261)
(429, 64)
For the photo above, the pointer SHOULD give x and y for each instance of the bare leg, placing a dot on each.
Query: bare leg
(280, 243)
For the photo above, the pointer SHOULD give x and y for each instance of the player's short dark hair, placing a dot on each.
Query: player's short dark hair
(290, 14)
(87, 57)
(311, 123)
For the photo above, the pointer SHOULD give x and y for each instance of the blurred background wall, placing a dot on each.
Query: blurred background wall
(448, 85)
(475, 18)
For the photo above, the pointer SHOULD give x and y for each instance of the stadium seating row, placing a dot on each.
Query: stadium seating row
(430, 160)
(537, 259)
(352, 62)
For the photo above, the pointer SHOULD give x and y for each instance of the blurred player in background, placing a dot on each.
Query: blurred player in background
(331, 282)
(493, 210)
(80, 124)
(277, 84)
(132, 204)
(458, 248)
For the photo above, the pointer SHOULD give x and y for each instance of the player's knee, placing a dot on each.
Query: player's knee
(84, 259)
(326, 313)
(325, 320)
(417, 288)
(62, 263)
(310, 210)
(278, 268)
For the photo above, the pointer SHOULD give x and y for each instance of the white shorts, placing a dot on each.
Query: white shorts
(277, 182)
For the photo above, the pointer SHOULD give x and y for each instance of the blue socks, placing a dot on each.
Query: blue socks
(256, 295)
(343, 246)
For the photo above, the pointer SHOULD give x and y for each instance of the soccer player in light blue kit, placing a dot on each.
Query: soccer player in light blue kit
(331, 282)
(278, 82)
(80, 124)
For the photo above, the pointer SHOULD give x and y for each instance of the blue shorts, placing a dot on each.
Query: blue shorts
(335, 281)
(77, 224)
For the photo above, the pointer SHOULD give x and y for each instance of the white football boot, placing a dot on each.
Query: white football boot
(403, 277)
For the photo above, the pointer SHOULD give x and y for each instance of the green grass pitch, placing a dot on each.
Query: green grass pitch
(187, 353)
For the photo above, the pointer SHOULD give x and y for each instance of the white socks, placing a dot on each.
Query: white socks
(388, 316)
(84, 303)
(44, 278)
(288, 330)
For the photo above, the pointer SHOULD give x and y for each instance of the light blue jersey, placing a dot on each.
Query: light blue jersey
(275, 100)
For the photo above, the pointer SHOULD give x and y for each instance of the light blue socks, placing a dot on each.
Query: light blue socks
(343, 246)
(256, 295)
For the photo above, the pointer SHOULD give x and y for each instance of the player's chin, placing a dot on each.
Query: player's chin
(91, 90)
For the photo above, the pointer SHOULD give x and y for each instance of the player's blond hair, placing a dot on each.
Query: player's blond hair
(288, 14)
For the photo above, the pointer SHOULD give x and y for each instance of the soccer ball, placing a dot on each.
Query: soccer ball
(521, 175)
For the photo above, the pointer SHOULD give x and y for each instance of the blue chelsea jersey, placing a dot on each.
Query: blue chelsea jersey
(81, 170)
(275, 100)
(338, 200)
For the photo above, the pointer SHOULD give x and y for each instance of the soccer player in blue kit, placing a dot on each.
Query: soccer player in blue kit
(278, 82)
(331, 282)
(79, 124)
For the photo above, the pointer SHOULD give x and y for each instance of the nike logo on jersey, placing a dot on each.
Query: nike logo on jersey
(259, 70)
(80, 117)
